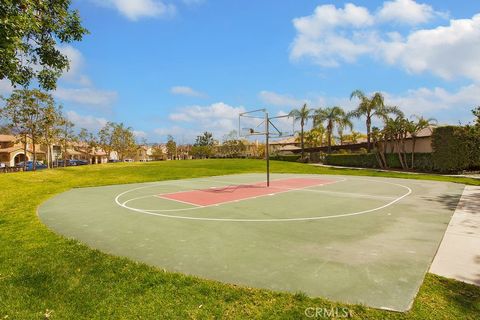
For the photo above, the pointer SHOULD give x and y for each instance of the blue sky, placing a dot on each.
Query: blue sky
(181, 67)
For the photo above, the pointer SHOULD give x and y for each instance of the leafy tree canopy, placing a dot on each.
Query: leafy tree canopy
(29, 33)
(206, 139)
(476, 113)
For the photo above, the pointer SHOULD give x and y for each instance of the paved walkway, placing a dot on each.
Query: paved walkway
(458, 256)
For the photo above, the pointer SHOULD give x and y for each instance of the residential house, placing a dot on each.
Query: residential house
(12, 150)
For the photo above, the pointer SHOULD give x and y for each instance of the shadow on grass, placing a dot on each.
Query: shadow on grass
(443, 298)
(464, 297)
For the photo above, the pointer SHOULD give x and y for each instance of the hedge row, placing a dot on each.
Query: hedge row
(456, 148)
(422, 161)
(289, 158)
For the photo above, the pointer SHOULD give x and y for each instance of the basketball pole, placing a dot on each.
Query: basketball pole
(252, 132)
(267, 147)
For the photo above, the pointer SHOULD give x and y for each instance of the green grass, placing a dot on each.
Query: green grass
(43, 273)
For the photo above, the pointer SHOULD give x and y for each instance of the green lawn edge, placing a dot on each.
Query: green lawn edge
(44, 275)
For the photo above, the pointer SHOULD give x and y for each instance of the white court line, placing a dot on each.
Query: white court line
(181, 201)
(350, 194)
(284, 190)
(150, 212)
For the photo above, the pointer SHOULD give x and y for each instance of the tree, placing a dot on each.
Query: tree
(52, 119)
(105, 138)
(116, 137)
(371, 107)
(29, 113)
(203, 147)
(333, 116)
(414, 128)
(88, 140)
(231, 145)
(171, 147)
(476, 113)
(66, 137)
(314, 137)
(344, 123)
(5, 129)
(123, 141)
(302, 115)
(157, 152)
(396, 129)
(354, 136)
(378, 138)
(30, 31)
(206, 139)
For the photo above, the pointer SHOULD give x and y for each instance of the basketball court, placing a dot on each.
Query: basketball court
(350, 239)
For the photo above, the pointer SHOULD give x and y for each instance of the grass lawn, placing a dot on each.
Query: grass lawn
(43, 275)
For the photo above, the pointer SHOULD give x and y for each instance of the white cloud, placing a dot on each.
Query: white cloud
(180, 134)
(324, 36)
(187, 91)
(281, 100)
(406, 12)
(446, 51)
(332, 36)
(86, 96)
(216, 111)
(140, 135)
(5, 86)
(218, 118)
(431, 101)
(136, 9)
(77, 62)
(88, 122)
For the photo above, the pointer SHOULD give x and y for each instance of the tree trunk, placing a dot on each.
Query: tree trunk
(64, 155)
(34, 164)
(369, 123)
(25, 153)
(47, 158)
(382, 157)
(301, 140)
(413, 151)
(379, 160)
(385, 152)
(399, 153)
(404, 152)
(329, 142)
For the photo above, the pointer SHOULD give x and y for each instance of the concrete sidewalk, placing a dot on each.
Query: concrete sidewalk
(458, 256)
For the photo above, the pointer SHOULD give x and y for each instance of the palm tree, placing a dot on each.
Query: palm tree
(333, 116)
(354, 136)
(343, 124)
(371, 107)
(415, 127)
(378, 137)
(396, 130)
(302, 115)
(314, 137)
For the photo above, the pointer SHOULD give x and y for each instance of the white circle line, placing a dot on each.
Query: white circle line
(266, 220)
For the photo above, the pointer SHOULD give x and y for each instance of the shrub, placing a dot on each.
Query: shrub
(456, 148)
(315, 157)
(289, 158)
(423, 161)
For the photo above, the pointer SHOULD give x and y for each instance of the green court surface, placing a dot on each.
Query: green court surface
(350, 239)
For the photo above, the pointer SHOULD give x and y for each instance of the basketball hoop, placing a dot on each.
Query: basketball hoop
(259, 123)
